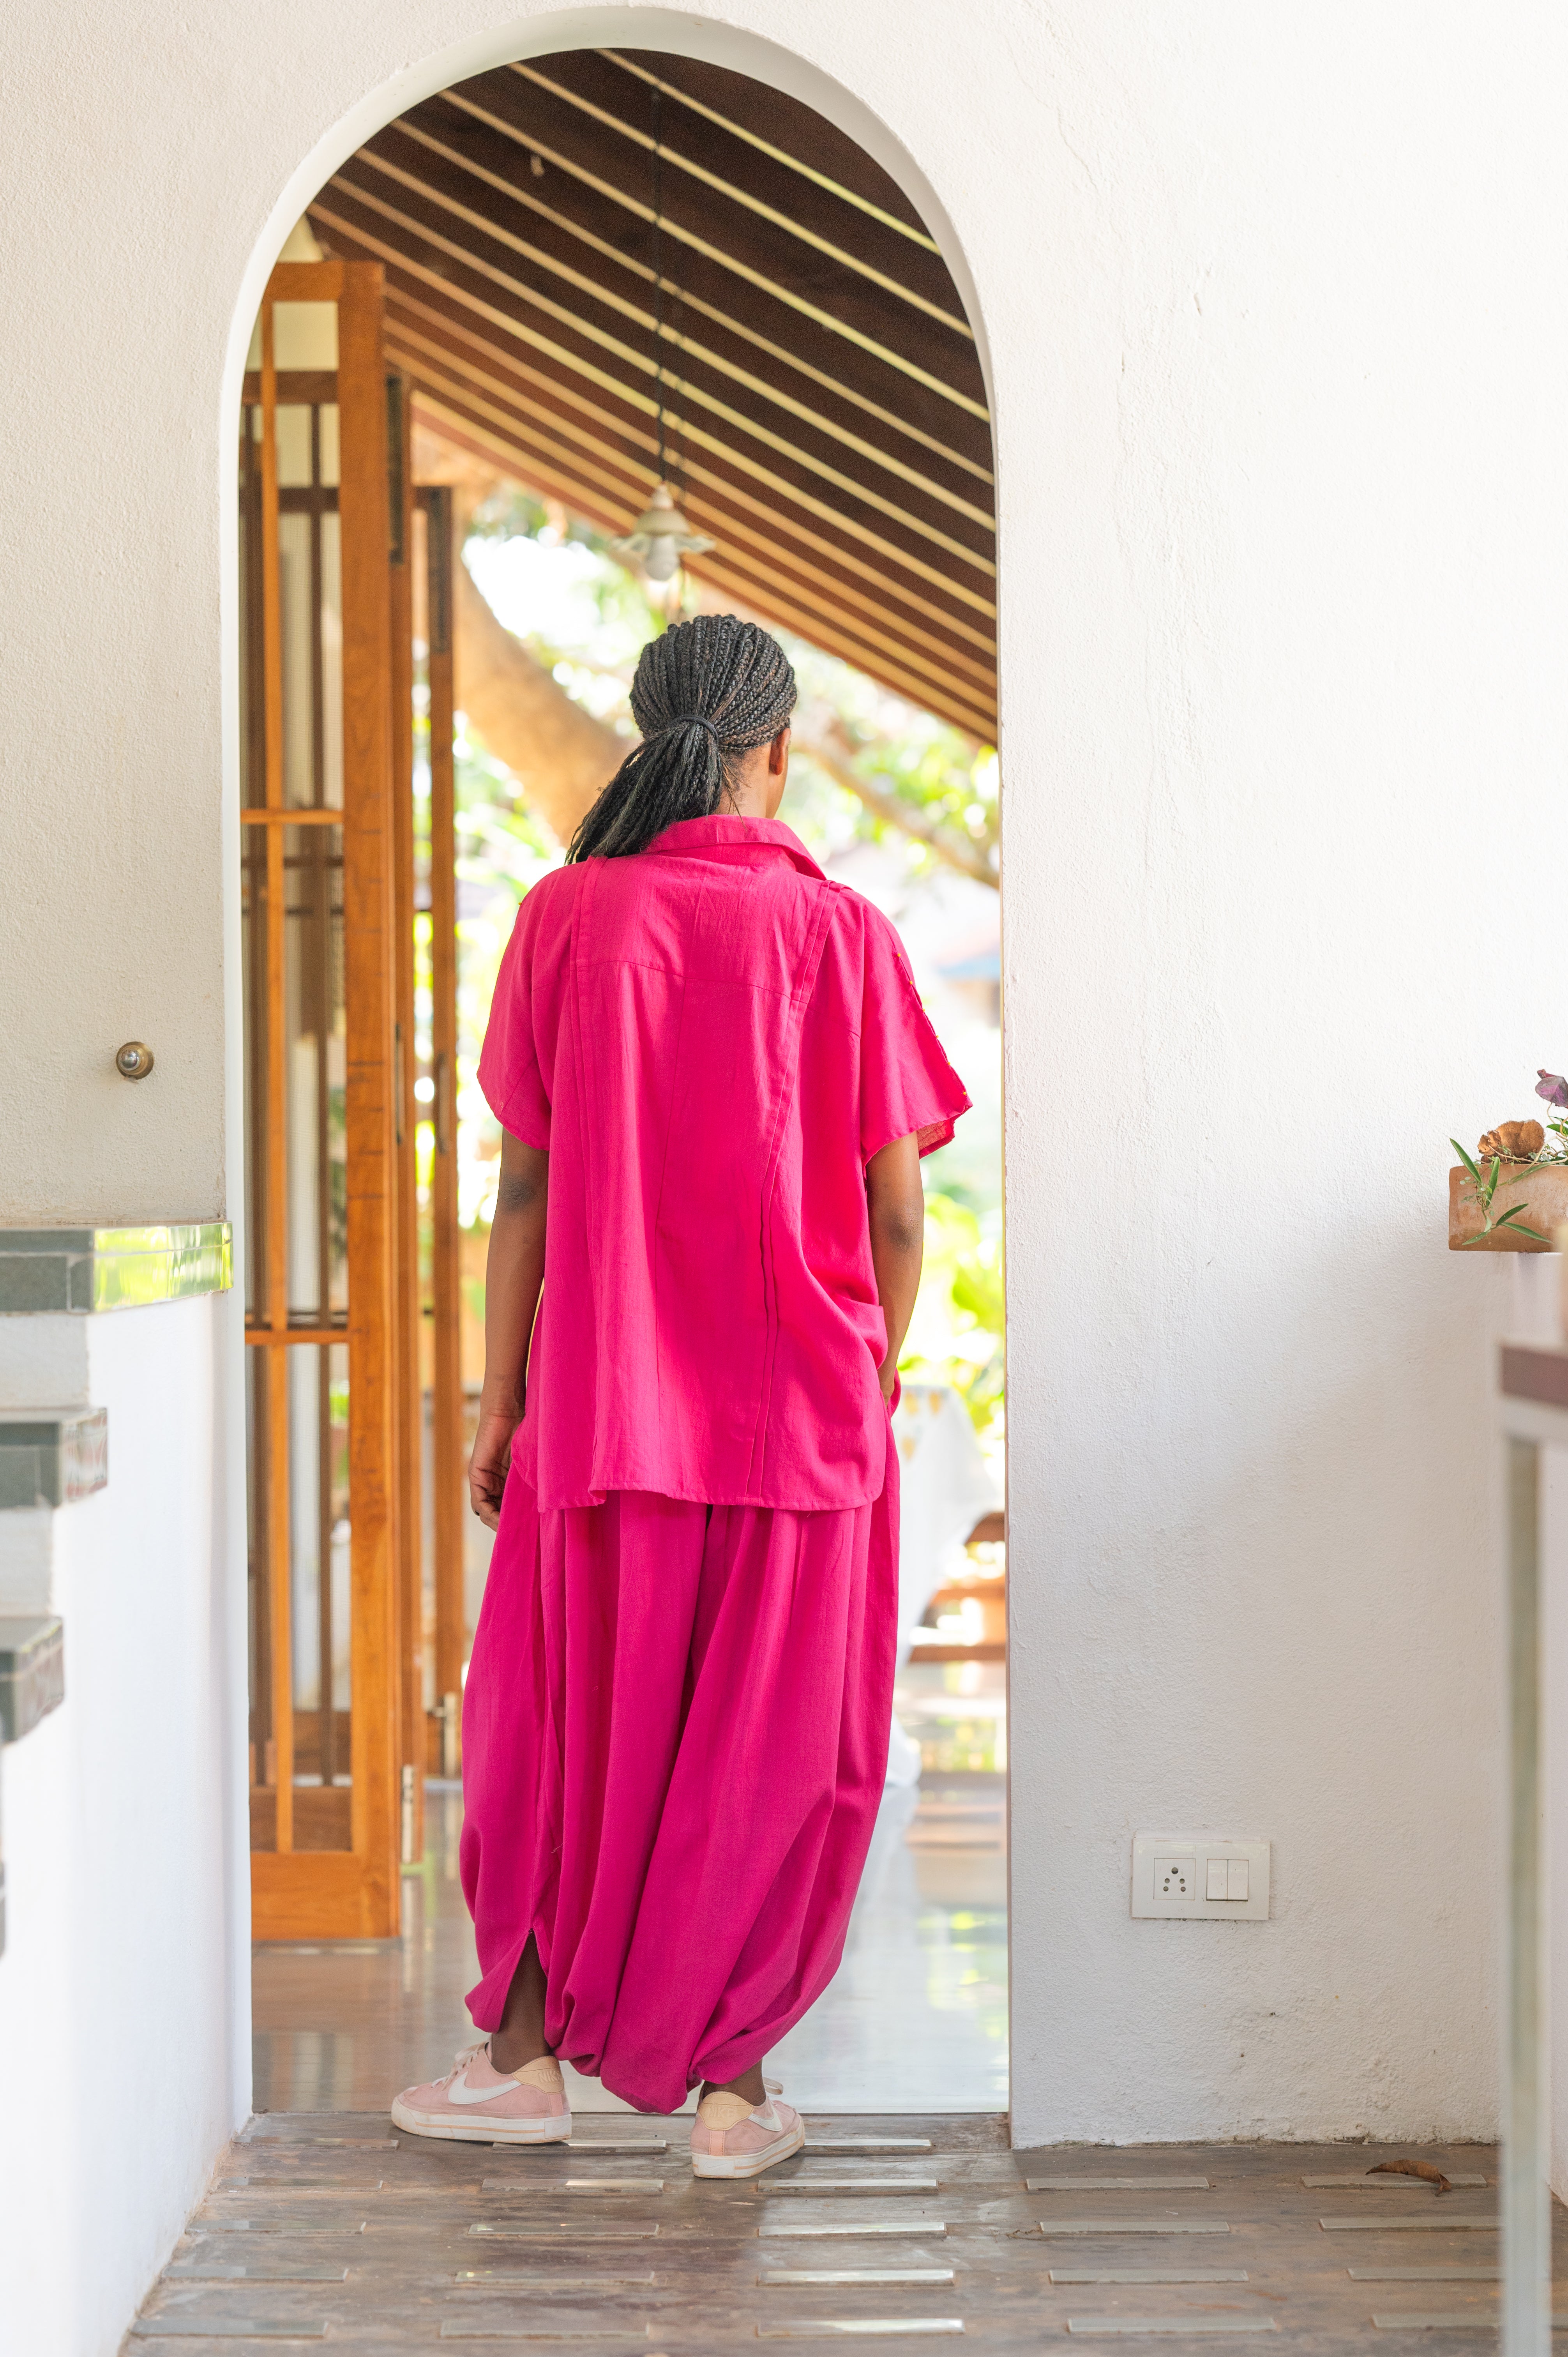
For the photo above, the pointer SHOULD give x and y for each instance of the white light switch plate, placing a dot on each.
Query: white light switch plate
(1170, 1876)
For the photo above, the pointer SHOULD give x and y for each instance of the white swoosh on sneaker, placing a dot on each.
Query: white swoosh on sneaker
(459, 2091)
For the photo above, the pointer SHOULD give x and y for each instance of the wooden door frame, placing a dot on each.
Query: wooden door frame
(354, 1892)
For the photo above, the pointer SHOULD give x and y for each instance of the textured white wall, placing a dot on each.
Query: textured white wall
(125, 1989)
(1275, 317)
(1285, 728)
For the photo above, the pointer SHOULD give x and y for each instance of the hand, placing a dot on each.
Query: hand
(491, 1461)
(887, 1376)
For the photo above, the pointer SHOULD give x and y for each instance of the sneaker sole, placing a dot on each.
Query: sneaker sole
(447, 2130)
(749, 2164)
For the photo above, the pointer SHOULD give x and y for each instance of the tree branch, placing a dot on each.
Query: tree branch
(886, 802)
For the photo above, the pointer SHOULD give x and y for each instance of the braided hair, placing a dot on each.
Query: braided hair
(703, 692)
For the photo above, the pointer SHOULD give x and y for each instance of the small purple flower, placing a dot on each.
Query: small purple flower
(1552, 1087)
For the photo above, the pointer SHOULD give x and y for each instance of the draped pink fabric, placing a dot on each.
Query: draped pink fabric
(675, 1740)
(676, 1723)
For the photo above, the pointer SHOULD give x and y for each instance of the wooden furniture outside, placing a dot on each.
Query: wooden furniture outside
(321, 903)
(985, 1586)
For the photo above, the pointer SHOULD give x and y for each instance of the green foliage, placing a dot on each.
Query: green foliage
(579, 611)
(957, 1334)
(1484, 1190)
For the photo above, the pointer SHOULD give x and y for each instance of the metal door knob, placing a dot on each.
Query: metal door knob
(133, 1062)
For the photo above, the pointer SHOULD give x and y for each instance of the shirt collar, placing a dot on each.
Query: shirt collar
(732, 836)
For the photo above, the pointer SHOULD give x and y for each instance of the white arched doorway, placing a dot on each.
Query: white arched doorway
(567, 34)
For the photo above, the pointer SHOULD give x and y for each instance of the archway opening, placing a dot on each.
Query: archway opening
(591, 274)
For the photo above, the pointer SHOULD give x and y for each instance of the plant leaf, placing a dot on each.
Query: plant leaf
(1513, 1220)
(1492, 1181)
(1466, 1160)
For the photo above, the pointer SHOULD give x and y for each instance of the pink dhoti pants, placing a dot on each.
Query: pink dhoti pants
(675, 1740)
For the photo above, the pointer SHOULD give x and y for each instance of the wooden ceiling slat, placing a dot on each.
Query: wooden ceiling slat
(805, 606)
(429, 362)
(726, 450)
(732, 194)
(485, 168)
(630, 63)
(932, 691)
(711, 493)
(813, 422)
(425, 184)
(835, 323)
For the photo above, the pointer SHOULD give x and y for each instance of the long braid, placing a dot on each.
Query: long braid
(703, 692)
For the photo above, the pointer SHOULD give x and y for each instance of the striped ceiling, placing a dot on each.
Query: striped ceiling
(827, 418)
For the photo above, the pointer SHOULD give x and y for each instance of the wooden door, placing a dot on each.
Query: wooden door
(321, 979)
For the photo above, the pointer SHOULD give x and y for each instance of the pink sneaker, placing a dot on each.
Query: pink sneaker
(477, 2103)
(729, 2139)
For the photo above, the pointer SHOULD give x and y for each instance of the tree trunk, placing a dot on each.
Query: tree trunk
(560, 755)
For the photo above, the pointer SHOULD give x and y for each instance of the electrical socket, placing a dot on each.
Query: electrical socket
(1171, 1878)
(1175, 1878)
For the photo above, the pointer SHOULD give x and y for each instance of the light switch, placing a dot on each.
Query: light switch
(1202, 1876)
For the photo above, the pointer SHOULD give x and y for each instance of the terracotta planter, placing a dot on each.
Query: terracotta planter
(1543, 1193)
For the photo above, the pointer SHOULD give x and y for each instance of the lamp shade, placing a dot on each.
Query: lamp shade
(661, 536)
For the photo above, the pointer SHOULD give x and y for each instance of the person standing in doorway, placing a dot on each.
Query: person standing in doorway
(715, 1080)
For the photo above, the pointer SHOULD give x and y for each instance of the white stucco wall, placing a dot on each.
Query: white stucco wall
(124, 1988)
(1276, 319)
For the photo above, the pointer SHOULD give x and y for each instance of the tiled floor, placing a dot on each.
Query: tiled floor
(322, 2225)
(915, 2020)
(326, 2229)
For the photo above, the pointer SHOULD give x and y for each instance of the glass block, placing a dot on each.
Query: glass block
(1116, 2184)
(1183, 2327)
(835, 2187)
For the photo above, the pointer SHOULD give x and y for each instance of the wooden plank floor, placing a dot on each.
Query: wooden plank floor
(326, 2227)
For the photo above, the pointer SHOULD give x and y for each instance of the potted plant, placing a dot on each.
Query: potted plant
(1512, 1195)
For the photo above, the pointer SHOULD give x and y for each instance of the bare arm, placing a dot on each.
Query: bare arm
(514, 1275)
(896, 1204)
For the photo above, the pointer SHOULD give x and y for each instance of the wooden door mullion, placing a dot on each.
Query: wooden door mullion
(279, 1551)
(409, 1399)
(446, 1240)
(368, 861)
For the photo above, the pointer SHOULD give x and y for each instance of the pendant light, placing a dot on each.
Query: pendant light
(661, 536)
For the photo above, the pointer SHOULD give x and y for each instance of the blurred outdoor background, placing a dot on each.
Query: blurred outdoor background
(905, 808)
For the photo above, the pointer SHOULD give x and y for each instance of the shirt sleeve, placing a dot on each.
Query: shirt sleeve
(511, 1073)
(907, 1088)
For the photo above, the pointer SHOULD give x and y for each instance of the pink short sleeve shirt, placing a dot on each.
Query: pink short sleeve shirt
(711, 1039)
